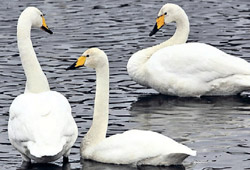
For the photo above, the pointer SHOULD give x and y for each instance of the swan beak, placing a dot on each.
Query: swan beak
(159, 23)
(80, 62)
(45, 27)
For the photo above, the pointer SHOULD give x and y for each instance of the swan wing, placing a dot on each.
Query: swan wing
(192, 65)
(42, 123)
(138, 147)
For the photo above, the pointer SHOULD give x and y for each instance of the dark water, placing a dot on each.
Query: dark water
(217, 127)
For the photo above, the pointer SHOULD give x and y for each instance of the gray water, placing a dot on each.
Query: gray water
(217, 127)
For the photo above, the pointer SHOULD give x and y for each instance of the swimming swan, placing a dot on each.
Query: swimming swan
(137, 64)
(135, 147)
(40, 126)
(189, 69)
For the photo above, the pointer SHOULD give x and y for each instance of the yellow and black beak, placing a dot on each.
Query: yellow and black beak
(80, 62)
(45, 27)
(158, 25)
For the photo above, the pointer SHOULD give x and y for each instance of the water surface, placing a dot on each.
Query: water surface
(217, 127)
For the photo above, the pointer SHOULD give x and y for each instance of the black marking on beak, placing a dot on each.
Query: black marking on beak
(72, 67)
(46, 29)
(155, 29)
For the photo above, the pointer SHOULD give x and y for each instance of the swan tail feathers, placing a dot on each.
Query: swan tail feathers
(39, 150)
(193, 153)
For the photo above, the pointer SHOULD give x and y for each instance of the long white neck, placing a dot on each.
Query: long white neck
(36, 80)
(98, 129)
(135, 66)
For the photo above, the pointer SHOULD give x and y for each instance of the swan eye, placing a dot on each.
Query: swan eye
(165, 13)
(87, 55)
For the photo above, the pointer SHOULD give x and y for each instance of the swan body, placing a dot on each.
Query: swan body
(40, 125)
(197, 69)
(136, 147)
(189, 69)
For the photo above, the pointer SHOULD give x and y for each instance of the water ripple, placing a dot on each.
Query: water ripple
(218, 128)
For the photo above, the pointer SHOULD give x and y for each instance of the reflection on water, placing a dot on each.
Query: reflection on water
(43, 166)
(218, 128)
(92, 165)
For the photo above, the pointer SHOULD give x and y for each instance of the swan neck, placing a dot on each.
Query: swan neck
(181, 33)
(102, 93)
(99, 126)
(36, 80)
(136, 63)
(182, 30)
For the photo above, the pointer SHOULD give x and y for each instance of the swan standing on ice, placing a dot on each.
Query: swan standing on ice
(190, 69)
(135, 147)
(40, 126)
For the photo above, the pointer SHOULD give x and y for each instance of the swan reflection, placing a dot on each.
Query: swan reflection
(44, 166)
(92, 165)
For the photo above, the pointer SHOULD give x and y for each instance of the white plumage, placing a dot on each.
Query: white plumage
(187, 70)
(139, 147)
(135, 147)
(196, 69)
(40, 125)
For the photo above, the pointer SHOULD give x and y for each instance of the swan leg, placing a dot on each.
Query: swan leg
(25, 165)
(66, 157)
(66, 166)
(25, 158)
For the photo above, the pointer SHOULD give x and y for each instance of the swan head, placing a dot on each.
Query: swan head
(36, 17)
(93, 58)
(167, 14)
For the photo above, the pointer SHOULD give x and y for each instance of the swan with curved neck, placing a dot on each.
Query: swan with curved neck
(135, 147)
(40, 125)
(188, 69)
(167, 14)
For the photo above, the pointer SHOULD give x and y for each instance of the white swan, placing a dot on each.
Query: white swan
(40, 126)
(136, 147)
(137, 64)
(190, 69)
